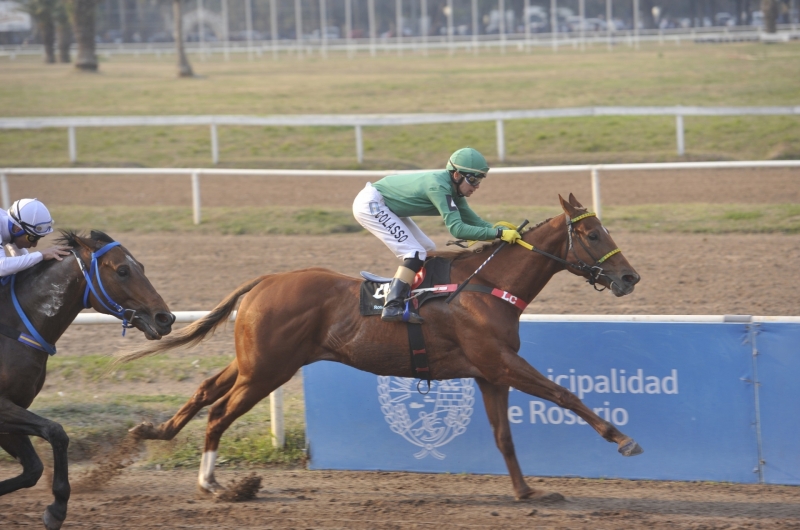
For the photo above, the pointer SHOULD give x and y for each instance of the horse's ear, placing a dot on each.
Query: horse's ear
(102, 237)
(568, 208)
(573, 201)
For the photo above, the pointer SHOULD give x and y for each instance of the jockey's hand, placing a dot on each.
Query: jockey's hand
(509, 236)
(55, 253)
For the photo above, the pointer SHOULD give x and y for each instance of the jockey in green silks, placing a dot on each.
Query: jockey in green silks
(386, 207)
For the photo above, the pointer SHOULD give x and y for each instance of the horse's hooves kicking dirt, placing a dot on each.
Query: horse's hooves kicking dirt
(144, 431)
(109, 466)
(241, 490)
(630, 448)
(548, 498)
(542, 496)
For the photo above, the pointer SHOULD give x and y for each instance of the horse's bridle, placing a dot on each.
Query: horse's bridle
(126, 315)
(594, 271)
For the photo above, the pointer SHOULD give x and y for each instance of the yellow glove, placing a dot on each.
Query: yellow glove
(509, 236)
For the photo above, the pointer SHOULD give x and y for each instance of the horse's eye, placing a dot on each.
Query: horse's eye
(593, 236)
(123, 271)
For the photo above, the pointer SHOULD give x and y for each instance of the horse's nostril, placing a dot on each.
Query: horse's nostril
(631, 279)
(165, 319)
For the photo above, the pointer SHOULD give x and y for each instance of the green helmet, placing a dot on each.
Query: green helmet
(467, 160)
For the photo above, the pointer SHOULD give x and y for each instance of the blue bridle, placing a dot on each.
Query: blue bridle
(101, 295)
(34, 339)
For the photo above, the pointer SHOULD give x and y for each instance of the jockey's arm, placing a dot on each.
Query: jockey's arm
(22, 260)
(461, 221)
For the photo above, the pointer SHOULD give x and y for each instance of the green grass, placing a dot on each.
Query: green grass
(691, 218)
(734, 74)
(98, 368)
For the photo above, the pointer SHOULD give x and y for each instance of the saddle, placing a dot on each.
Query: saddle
(435, 272)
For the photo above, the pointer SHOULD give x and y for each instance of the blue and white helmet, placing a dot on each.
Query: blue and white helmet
(32, 217)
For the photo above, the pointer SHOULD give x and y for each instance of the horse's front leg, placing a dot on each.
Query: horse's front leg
(21, 448)
(513, 370)
(495, 399)
(15, 420)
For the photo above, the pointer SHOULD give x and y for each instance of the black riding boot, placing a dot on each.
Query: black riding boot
(396, 303)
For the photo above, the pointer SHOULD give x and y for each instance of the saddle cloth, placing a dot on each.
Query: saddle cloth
(373, 290)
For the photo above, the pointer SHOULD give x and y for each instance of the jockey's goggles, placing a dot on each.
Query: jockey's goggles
(474, 179)
(34, 232)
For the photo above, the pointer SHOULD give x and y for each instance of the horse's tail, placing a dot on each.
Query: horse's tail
(195, 333)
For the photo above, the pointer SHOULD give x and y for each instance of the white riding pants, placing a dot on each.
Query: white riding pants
(400, 234)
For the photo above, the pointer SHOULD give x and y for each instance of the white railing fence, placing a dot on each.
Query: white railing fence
(423, 44)
(359, 121)
(276, 397)
(594, 171)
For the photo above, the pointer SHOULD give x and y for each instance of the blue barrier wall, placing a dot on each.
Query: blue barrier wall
(684, 391)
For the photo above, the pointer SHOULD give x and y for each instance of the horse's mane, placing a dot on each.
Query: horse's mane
(459, 253)
(70, 238)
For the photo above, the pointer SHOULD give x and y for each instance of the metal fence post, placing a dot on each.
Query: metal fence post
(596, 205)
(501, 141)
(359, 145)
(276, 418)
(5, 197)
(196, 196)
(214, 144)
(679, 132)
(73, 148)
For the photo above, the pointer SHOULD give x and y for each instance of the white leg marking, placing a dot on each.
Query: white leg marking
(206, 476)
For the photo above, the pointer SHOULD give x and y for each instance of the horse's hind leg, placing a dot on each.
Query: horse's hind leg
(242, 397)
(21, 448)
(15, 420)
(209, 391)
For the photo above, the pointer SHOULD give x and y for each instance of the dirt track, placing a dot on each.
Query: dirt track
(681, 274)
(323, 499)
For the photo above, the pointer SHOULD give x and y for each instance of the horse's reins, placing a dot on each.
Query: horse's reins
(465, 282)
(595, 272)
(109, 304)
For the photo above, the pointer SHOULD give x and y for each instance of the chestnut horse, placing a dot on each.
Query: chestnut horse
(36, 307)
(293, 319)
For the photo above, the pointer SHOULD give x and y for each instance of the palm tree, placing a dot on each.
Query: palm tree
(63, 32)
(42, 12)
(770, 10)
(82, 13)
(184, 68)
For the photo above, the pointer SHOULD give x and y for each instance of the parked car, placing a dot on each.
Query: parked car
(724, 19)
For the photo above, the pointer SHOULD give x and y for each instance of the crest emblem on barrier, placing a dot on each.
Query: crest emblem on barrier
(431, 420)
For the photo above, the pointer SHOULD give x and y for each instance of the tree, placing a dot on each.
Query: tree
(42, 11)
(770, 10)
(184, 68)
(82, 13)
(63, 32)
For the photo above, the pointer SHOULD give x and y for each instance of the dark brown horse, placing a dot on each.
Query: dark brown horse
(49, 296)
(293, 319)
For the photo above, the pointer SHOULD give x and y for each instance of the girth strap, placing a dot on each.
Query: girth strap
(419, 355)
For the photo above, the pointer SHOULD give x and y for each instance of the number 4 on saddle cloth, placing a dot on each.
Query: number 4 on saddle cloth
(432, 281)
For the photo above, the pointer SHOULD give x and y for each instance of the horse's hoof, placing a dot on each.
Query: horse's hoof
(50, 522)
(212, 488)
(144, 431)
(630, 448)
(541, 496)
